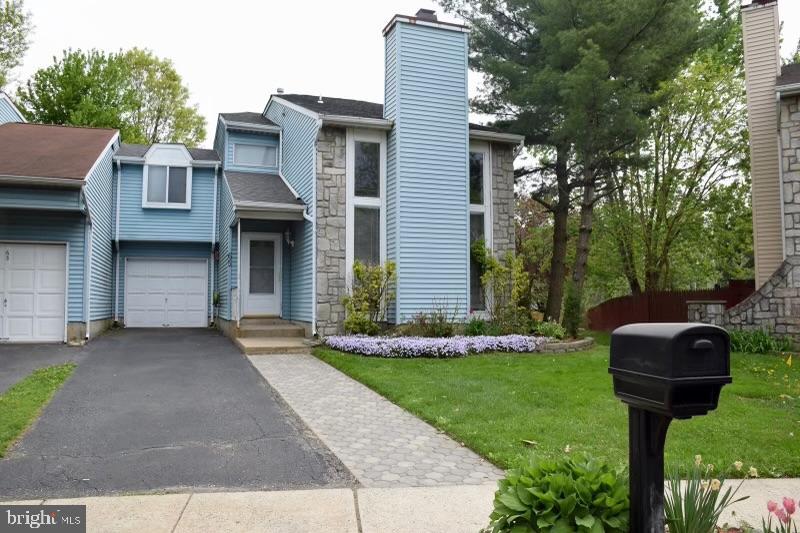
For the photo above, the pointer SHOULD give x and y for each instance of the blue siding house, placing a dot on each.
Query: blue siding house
(259, 235)
(8, 111)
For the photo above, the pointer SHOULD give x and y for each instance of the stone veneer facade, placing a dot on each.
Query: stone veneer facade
(331, 236)
(790, 144)
(331, 213)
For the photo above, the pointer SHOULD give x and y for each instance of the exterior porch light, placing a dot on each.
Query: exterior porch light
(289, 237)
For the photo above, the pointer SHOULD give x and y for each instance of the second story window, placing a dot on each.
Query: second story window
(167, 187)
(255, 155)
(366, 217)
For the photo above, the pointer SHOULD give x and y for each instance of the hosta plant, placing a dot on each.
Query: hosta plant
(572, 494)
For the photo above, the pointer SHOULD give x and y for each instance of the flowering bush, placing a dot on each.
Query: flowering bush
(458, 346)
(783, 514)
(694, 505)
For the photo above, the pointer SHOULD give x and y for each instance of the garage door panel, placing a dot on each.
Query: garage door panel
(50, 257)
(49, 327)
(22, 280)
(21, 328)
(20, 303)
(50, 305)
(23, 256)
(166, 292)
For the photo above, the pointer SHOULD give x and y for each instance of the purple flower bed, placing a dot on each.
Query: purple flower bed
(433, 347)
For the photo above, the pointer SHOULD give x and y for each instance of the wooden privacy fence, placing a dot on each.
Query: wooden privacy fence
(662, 306)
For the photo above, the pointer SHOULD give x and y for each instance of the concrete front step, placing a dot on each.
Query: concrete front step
(270, 345)
(246, 322)
(276, 330)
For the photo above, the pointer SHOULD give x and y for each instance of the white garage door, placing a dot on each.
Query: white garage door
(33, 282)
(166, 293)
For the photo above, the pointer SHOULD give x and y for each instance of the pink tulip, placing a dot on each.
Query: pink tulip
(772, 506)
(782, 516)
(789, 505)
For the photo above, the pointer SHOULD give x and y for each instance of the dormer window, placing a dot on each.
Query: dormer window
(167, 182)
(167, 186)
(255, 155)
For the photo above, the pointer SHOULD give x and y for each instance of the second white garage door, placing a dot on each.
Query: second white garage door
(166, 293)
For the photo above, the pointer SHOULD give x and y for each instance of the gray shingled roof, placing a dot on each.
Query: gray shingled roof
(790, 75)
(259, 187)
(248, 118)
(138, 150)
(349, 108)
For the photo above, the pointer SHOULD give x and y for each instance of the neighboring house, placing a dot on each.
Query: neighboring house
(272, 219)
(55, 231)
(773, 102)
(8, 111)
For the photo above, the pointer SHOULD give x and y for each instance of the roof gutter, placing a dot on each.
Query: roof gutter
(69, 183)
(249, 126)
(356, 122)
(481, 135)
(788, 90)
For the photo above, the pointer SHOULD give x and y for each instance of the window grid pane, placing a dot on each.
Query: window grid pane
(367, 230)
(476, 178)
(262, 267)
(176, 191)
(367, 169)
(157, 184)
(476, 294)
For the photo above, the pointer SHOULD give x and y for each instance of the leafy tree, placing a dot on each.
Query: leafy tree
(578, 79)
(15, 27)
(697, 142)
(134, 91)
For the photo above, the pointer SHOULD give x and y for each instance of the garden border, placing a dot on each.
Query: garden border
(568, 346)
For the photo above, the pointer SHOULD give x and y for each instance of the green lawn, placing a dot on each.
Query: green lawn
(21, 404)
(493, 402)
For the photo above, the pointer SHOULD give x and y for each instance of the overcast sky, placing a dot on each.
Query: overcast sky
(233, 53)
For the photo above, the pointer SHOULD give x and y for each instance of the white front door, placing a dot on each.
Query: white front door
(166, 293)
(33, 292)
(261, 274)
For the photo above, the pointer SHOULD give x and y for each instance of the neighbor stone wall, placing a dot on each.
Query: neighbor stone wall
(503, 198)
(331, 236)
(790, 144)
(707, 311)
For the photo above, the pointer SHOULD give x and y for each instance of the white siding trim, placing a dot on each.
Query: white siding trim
(99, 160)
(292, 106)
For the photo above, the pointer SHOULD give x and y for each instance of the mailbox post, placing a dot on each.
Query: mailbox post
(663, 372)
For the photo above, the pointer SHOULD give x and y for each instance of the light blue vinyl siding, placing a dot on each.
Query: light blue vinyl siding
(50, 226)
(219, 139)
(268, 139)
(99, 191)
(8, 113)
(152, 224)
(226, 266)
(161, 250)
(427, 166)
(299, 132)
(390, 112)
(31, 198)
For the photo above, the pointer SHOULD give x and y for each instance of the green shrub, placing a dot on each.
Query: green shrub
(758, 341)
(441, 321)
(571, 320)
(476, 326)
(506, 282)
(371, 295)
(550, 329)
(571, 494)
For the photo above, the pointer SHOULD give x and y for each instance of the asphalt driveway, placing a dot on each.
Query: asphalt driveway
(155, 410)
(18, 360)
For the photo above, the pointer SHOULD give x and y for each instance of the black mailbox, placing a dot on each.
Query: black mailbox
(676, 370)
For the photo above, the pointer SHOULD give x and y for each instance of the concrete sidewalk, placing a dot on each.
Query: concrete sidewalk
(455, 509)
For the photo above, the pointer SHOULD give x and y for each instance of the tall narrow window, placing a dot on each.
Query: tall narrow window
(366, 171)
(479, 219)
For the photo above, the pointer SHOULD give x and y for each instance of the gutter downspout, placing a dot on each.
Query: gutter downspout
(314, 235)
(239, 272)
(213, 243)
(780, 174)
(87, 267)
(116, 244)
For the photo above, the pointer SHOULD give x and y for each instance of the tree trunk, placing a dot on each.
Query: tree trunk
(558, 271)
(585, 231)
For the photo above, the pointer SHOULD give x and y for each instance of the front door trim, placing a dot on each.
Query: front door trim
(244, 268)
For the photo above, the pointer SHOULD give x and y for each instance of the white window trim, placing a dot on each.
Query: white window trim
(354, 201)
(486, 209)
(167, 205)
(238, 164)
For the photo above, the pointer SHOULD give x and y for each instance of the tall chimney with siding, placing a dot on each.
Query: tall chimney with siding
(761, 27)
(427, 214)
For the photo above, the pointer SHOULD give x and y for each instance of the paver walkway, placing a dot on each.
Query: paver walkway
(381, 444)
